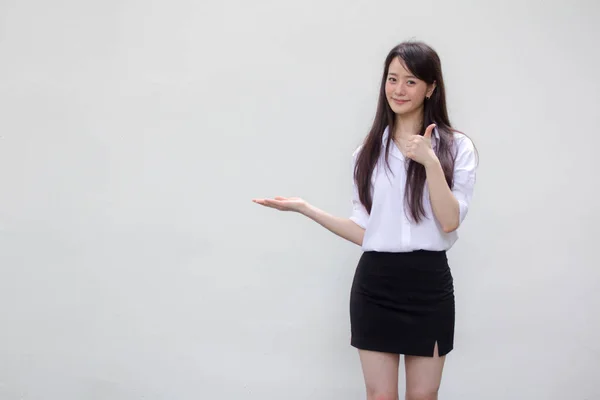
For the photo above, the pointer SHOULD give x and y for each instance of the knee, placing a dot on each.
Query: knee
(422, 394)
(382, 396)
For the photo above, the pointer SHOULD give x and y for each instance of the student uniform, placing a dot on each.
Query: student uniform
(402, 295)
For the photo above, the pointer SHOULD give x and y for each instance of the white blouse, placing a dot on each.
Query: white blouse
(388, 228)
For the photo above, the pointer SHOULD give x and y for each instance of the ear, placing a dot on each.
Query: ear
(431, 89)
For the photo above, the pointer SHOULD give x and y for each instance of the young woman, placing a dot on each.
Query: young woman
(413, 182)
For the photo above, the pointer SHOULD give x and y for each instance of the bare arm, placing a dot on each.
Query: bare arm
(343, 227)
(444, 204)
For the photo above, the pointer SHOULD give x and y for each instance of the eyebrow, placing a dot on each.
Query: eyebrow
(407, 76)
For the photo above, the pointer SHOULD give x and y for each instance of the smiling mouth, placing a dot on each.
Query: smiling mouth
(400, 101)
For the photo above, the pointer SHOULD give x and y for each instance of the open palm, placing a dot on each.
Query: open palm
(283, 203)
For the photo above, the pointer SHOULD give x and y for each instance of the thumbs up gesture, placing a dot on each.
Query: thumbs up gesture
(419, 147)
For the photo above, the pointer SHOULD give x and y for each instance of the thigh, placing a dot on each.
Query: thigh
(380, 371)
(423, 375)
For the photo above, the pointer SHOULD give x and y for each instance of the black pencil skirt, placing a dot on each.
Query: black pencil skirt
(403, 303)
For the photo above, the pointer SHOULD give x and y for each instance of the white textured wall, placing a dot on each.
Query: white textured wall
(133, 135)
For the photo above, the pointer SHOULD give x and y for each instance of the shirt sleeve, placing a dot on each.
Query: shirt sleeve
(359, 215)
(465, 168)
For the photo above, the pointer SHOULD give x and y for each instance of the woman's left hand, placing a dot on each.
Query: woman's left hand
(419, 148)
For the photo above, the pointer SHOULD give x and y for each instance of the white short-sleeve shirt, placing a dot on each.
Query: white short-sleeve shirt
(388, 228)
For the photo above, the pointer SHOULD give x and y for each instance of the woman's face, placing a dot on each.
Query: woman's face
(405, 93)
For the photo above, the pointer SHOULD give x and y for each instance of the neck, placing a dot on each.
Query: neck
(408, 125)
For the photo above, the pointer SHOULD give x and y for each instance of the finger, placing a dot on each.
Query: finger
(280, 198)
(264, 203)
(268, 202)
(428, 131)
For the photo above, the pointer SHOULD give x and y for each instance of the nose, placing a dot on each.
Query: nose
(399, 89)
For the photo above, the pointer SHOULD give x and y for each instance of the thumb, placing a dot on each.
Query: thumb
(428, 131)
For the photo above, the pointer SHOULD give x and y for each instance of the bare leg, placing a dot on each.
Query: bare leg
(423, 376)
(380, 371)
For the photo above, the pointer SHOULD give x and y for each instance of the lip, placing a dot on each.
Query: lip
(400, 102)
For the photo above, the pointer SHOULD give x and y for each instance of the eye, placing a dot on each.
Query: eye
(391, 79)
(411, 82)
